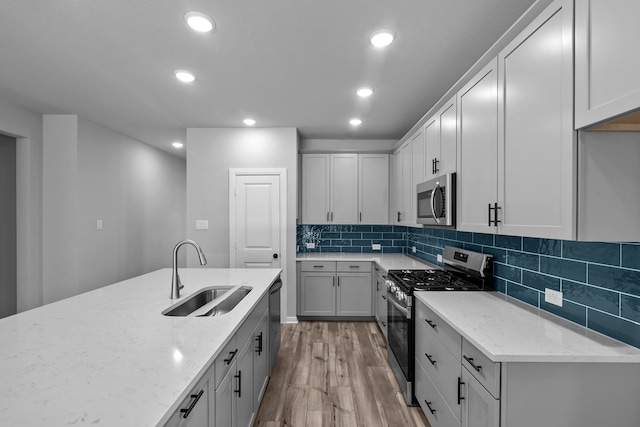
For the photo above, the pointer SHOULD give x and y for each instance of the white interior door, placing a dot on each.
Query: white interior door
(256, 214)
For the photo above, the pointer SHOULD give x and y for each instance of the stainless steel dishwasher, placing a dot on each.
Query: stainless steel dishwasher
(274, 322)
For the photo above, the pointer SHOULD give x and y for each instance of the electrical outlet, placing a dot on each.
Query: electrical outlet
(375, 247)
(202, 224)
(99, 224)
(311, 245)
(553, 297)
(439, 257)
(413, 249)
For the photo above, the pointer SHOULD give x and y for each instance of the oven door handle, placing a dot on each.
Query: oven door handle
(433, 202)
(403, 310)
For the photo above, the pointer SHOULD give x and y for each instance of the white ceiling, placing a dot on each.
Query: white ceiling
(294, 63)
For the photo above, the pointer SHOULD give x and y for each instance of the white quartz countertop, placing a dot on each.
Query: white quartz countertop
(109, 357)
(386, 261)
(507, 330)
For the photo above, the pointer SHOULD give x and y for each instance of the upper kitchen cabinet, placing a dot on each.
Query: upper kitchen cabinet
(329, 188)
(607, 63)
(373, 188)
(478, 150)
(536, 139)
(440, 141)
(403, 185)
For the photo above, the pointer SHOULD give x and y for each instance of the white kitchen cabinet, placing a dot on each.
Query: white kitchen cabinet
(417, 164)
(373, 188)
(440, 141)
(606, 60)
(404, 189)
(381, 298)
(225, 402)
(195, 410)
(245, 405)
(479, 407)
(329, 188)
(478, 150)
(535, 183)
(332, 289)
(261, 358)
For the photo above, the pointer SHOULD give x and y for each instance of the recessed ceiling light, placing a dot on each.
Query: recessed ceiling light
(382, 38)
(355, 122)
(178, 144)
(249, 122)
(185, 76)
(364, 92)
(199, 21)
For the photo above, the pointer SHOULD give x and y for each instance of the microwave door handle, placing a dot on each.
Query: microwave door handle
(433, 203)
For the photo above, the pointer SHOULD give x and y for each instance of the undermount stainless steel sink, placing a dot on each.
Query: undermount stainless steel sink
(207, 295)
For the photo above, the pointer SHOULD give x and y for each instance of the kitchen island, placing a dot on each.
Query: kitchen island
(109, 357)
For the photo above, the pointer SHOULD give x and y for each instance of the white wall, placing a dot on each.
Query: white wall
(91, 173)
(210, 154)
(26, 127)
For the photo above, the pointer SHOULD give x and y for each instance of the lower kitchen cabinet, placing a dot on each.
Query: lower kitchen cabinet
(479, 407)
(381, 298)
(335, 289)
(194, 410)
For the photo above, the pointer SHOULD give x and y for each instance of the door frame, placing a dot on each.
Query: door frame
(233, 174)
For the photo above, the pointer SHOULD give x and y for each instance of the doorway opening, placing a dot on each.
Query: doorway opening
(8, 227)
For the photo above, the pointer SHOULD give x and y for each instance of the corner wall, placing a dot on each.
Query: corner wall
(210, 154)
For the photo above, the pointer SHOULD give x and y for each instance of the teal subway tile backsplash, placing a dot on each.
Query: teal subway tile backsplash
(600, 281)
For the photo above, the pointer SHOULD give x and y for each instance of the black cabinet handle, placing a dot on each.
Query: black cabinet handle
(188, 410)
(428, 356)
(430, 323)
(473, 365)
(435, 166)
(259, 339)
(495, 210)
(398, 216)
(239, 377)
(433, 411)
(232, 354)
(460, 384)
(383, 324)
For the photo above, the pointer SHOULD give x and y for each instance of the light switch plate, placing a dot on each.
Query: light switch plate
(375, 247)
(553, 297)
(202, 224)
(99, 224)
(439, 257)
(311, 245)
(413, 249)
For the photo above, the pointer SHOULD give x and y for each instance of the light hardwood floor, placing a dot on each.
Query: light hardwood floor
(334, 374)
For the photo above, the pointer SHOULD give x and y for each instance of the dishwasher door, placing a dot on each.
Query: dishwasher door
(274, 323)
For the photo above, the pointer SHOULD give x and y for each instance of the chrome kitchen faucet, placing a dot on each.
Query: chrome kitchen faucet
(176, 285)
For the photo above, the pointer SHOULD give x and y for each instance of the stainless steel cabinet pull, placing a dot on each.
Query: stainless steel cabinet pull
(473, 365)
(195, 397)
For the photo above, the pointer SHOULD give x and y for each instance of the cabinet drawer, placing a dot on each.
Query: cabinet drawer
(251, 322)
(194, 409)
(482, 368)
(225, 359)
(441, 329)
(443, 368)
(354, 267)
(318, 266)
(437, 411)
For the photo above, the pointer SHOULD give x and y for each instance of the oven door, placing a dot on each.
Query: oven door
(400, 352)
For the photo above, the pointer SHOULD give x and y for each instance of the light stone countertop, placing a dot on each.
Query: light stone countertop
(507, 330)
(386, 261)
(109, 357)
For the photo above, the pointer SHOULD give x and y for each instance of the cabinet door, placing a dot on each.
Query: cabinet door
(478, 150)
(397, 185)
(418, 157)
(446, 162)
(260, 359)
(479, 408)
(607, 63)
(354, 294)
(432, 146)
(373, 185)
(317, 294)
(344, 189)
(381, 314)
(408, 190)
(244, 387)
(225, 399)
(537, 150)
(315, 188)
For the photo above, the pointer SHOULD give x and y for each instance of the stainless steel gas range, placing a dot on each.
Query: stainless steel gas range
(463, 271)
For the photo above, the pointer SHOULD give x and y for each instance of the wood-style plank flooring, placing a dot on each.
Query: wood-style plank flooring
(334, 374)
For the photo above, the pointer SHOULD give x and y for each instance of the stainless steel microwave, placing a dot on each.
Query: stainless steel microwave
(436, 201)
